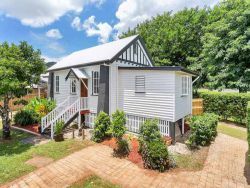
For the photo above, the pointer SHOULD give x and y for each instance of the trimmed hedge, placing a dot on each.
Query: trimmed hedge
(203, 130)
(152, 147)
(248, 128)
(101, 126)
(229, 106)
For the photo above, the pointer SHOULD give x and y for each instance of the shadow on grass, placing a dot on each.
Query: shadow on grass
(247, 168)
(14, 145)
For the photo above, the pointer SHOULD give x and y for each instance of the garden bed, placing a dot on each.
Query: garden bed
(192, 162)
(134, 156)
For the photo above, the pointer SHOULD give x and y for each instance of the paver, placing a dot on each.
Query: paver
(224, 167)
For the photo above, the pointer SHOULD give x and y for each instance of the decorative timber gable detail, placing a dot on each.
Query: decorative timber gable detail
(136, 54)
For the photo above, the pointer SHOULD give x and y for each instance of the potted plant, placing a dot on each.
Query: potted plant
(59, 131)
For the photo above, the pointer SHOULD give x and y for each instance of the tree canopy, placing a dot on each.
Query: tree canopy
(225, 56)
(20, 67)
(214, 42)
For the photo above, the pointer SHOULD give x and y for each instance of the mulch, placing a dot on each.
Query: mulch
(134, 156)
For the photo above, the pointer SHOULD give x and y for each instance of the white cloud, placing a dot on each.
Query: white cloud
(54, 33)
(56, 47)
(39, 13)
(102, 30)
(47, 43)
(76, 23)
(51, 59)
(132, 12)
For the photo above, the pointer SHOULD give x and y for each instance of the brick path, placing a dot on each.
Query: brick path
(224, 167)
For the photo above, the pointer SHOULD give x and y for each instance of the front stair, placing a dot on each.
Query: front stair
(67, 111)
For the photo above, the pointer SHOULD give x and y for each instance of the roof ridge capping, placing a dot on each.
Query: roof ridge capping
(166, 68)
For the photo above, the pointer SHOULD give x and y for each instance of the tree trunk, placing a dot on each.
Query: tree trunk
(242, 90)
(6, 119)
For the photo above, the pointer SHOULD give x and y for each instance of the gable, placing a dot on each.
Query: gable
(135, 54)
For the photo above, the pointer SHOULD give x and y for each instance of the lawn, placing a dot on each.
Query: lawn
(93, 182)
(231, 131)
(14, 154)
(194, 161)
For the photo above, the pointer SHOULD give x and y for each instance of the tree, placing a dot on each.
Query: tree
(225, 57)
(20, 67)
(173, 39)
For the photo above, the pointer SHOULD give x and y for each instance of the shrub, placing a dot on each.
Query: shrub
(101, 126)
(203, 129)
(149, 131)
(118, 129)
(41, 106)
(25, 117)
(122, 148)
(59, 127)
(229, 106)
(248, 128)
(155, 155)
(152, 147)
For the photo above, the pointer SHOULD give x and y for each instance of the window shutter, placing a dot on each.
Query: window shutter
(140, 84)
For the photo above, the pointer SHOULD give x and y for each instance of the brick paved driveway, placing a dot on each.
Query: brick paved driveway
(224, 167)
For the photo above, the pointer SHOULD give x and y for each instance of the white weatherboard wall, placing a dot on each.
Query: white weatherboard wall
(64, 87)
(183, 104)
(93, 99)
(157, 101)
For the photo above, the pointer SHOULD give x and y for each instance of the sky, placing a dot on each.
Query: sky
(60, 27)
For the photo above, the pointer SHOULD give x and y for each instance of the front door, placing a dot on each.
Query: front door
(84, 90)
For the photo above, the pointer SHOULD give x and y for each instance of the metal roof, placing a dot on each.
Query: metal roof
(78, 73)
(95, 55)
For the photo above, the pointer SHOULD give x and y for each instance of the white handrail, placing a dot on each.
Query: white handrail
(46, 120)
(64, 112)
(66, 115)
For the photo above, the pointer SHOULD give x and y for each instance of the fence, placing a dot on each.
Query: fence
(27, 98)
(197, 106)
(133, 123)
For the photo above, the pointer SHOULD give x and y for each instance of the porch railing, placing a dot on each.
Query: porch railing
(64, 112)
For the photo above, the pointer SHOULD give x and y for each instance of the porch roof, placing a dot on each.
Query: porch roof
(78, 73)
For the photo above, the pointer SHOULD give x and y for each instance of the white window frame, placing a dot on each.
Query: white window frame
(73, 86)
(185, 85)
(57, 84)
(140, 84)
(95, 82)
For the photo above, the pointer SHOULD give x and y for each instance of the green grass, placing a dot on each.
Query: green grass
(14, 154)
(231, 131)
(94, 182)
(194, 161)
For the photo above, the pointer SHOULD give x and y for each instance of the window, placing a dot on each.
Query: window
(73, 86)
(57, 84)
(140, 84)
(95, 82)
(185, 85)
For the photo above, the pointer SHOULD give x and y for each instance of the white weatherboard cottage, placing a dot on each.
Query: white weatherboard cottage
(119, 75)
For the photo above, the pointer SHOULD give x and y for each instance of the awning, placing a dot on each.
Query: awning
(79, 74)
